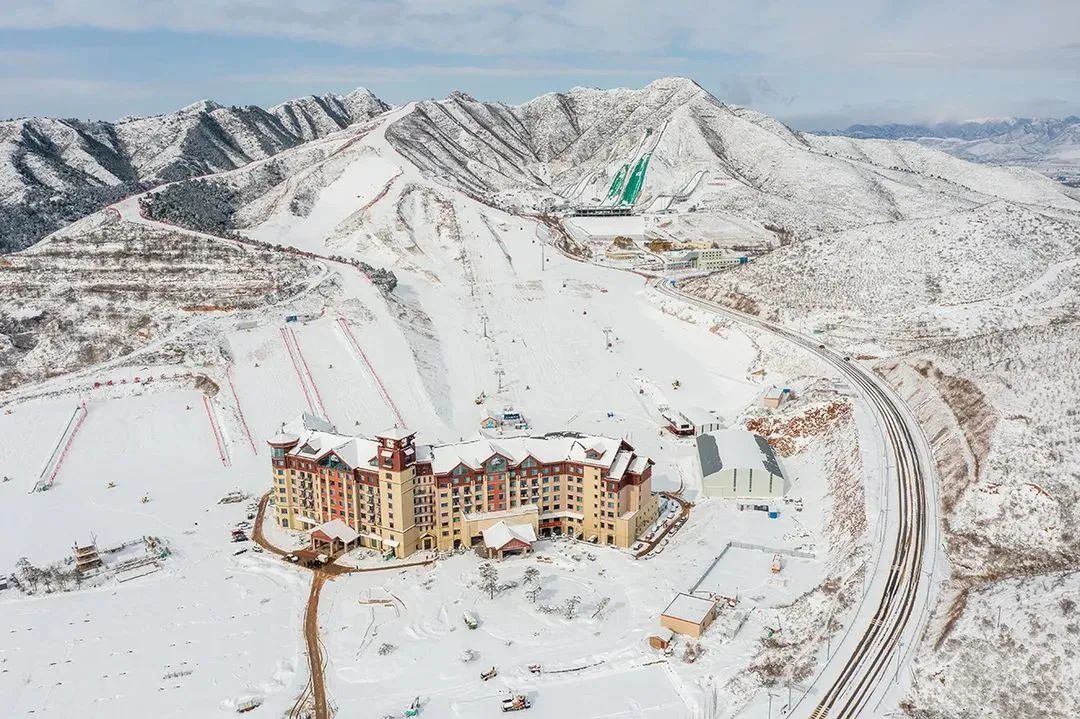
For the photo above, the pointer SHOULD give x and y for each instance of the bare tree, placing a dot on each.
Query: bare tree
(489, 579)
(570, 608)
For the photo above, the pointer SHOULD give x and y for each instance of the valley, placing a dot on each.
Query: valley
(921, 304)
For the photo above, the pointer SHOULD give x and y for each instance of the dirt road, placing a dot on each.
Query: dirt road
(316, 665)
(315, 691)
(684, 514)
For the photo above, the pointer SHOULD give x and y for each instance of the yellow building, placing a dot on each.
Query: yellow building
(689, 615)
(401, 496)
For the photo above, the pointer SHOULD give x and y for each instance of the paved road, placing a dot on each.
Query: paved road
(858, 670)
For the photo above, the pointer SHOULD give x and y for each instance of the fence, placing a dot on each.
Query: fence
(746, 545)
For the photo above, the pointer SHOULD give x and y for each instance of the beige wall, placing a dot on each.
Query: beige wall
(749, 483)
(681, 626)
(395, 493)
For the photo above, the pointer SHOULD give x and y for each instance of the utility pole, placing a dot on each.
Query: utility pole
(499, 372)
(543, 262)
(607, 336)
(898, 653)
(771, 695)
(789, 695)
(484, 319)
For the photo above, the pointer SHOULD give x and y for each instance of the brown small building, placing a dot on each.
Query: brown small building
(502, 539)
(334, 536)
(662, 639)
(689, 615)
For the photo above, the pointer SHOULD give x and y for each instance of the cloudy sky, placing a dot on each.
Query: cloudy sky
(813, 64)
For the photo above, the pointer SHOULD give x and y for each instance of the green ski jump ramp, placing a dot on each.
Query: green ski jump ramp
(617, 182)
(636, 181)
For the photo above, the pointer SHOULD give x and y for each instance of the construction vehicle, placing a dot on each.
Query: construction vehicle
(776, 565)
(414, 708)
(516, 703)
(470, 620)
(489, 674)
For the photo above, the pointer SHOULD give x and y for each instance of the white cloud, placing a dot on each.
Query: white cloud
(829, 31)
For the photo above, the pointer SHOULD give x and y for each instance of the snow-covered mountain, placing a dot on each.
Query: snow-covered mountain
(54, 171)
(957, 280)
(567, 147)
(1049, 145)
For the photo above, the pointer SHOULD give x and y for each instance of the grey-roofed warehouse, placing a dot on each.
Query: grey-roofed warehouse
(737, 463)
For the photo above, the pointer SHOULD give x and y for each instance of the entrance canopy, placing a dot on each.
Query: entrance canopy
(334, 531)
(501, 537)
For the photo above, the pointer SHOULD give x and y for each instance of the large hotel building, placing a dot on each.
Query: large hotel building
(402, 496)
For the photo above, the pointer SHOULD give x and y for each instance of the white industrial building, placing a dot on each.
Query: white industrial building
(740, 464)
(704, 420)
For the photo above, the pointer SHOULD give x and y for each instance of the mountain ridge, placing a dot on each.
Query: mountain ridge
(1050, 146)
(54, 171)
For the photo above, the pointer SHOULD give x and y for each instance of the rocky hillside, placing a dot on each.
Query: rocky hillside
(104, 288)
(54, 171)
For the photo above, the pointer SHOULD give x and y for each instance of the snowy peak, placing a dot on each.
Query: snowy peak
(199, 106)
(315, 116)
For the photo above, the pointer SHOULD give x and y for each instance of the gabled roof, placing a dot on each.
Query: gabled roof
(308, 422)
(546, 449)
(735, 449)
(500, 534)
(620, 465)
(395, 433)
(338, 530)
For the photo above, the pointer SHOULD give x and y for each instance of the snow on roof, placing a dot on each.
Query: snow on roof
(735, 449)
(563, 514)
(549, 448)
(395, 433)
(474, 452)
(308, 422)
(699, 416)
(500, 534)
(314, 444)
(689, 608)
(621, 463)
(512, 512)
(337, 529)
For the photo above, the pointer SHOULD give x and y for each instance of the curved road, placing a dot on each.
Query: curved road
(858, 671)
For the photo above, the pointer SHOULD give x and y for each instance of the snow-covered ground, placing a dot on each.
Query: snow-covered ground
(204, 632)
(481, 311)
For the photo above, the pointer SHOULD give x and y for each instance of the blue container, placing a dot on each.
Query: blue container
(774, 515)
